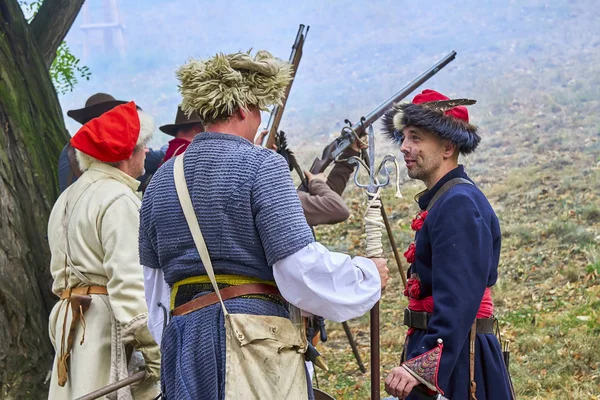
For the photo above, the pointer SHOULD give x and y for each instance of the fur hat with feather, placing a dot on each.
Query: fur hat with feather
(434, 112)
(217, 87)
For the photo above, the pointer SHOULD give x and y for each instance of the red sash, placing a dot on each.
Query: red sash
(486, 308)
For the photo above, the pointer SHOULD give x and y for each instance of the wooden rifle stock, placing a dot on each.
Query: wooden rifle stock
(277, 112)
(346, 138)
(96, 394)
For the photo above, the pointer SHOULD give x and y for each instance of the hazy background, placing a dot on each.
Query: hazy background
(356, 55)
(533, 66)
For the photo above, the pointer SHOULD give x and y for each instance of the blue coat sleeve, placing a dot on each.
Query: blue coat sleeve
(462, 255)
(278, 215)
(64, 169)
(148, 255)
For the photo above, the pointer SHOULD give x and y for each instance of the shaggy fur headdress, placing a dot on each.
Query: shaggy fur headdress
(434, 112)
(217, 87)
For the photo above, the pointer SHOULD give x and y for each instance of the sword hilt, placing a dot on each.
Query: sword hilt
(425, 395)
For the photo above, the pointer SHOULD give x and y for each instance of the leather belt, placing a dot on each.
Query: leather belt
(79, 300)
(226, 293)
(419, 320)
(83, 290)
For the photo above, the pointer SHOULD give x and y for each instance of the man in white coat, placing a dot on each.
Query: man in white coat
(99, 326)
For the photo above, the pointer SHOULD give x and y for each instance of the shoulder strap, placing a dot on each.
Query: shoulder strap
(190, 216)
(445, 187)
(69, 210)
(179, 148)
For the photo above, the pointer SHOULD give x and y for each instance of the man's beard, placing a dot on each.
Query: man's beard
(423, 171)
(416, 173)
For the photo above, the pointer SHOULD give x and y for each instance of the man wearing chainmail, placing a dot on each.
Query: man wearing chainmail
(253, 225)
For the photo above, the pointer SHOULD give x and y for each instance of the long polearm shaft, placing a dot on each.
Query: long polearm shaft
(374, 249)
(390, 234)
(354, 347)
(388, 228)
(375, 360)
(138, 376)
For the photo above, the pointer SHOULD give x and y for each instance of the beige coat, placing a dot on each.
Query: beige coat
(102, 210)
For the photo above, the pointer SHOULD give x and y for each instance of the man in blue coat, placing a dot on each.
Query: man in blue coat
(450, 348)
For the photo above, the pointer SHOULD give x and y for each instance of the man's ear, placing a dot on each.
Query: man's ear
(450, 148)
(243, 113)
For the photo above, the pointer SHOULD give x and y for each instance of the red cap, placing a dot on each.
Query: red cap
(428, 95)
(110, 137)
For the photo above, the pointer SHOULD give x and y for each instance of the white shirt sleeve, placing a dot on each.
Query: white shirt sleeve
(328, 284)
(157, 290)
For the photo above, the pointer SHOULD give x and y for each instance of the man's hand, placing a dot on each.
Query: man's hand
(400, 382)
(384, 272)
(359, 144)
(260, 137)
(319, 177)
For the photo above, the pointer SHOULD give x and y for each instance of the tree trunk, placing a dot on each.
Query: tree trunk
(32, 133)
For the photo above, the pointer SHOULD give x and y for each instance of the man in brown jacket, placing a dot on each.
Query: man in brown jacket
(323, 203)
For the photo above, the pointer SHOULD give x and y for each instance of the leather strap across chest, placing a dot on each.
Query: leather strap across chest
(445, 187)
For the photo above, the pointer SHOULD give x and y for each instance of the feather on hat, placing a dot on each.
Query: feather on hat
(434, 112)
(217, 87)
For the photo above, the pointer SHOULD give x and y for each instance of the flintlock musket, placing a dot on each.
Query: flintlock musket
(277, 112)
(351, 132)
(347, 136)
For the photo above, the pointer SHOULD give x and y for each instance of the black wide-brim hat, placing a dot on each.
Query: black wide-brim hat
(181, 121)
(95, 106)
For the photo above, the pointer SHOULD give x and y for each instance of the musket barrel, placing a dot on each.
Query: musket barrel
(297, 44)
(335, 148)
(277, 111)
(402, 93)
(297, 41)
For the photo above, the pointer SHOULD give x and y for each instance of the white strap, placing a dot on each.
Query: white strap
(65, 222)
(190, 216)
